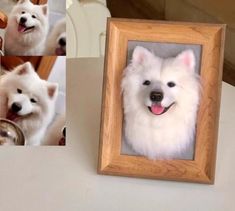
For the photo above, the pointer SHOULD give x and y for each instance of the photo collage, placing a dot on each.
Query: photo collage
(33, 72)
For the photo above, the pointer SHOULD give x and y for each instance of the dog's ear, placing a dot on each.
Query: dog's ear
(23, 69)
(44, 9)
(22, 1)
(52, 89)
(187, 58)
(141, 55)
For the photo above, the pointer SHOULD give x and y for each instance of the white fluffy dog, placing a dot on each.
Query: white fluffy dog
(30, 101)
(27, 29)
(161, 98)
(56, 42)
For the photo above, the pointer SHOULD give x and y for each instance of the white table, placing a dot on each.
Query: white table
(99, 192)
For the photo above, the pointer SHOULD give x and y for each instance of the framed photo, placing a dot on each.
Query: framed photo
(161, 100)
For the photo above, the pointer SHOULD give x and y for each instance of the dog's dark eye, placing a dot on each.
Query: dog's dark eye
(23, 12)
(33, 100)
(146, 83)
(19, 91)
(33, 16)
(171, 84)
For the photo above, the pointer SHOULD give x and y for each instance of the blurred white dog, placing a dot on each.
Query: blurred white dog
(56, 41)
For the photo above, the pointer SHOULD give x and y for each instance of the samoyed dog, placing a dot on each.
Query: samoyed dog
(27, 29)
(30, 101)
(161, 98)
(56, 41)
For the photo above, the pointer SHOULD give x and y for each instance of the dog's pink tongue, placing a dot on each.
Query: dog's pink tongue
(157, 109)
(21, 28)
(12, 116)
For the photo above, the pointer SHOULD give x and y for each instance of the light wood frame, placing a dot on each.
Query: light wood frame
(45, 66)
(211, 38)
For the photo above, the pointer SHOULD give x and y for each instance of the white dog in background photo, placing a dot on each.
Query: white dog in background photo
(29, 101)
(161, 99)
(27, 29)
(56, 41)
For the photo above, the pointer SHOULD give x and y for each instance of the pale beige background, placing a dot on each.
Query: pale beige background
(65, 178)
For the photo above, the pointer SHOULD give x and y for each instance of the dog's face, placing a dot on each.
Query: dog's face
(28, 96)
(58, 37)
(28, 18)
(61, 44)
(156, 85)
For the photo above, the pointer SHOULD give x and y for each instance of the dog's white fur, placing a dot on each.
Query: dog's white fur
(3, 99)
(54, 132)
(168, 135)
(34, 117)
(52, 44)
(31, 42)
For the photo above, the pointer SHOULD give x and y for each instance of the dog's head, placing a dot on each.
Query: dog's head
(29, 18)
(61, 44)
(27, 95)
(56, 42)
(58, 38)
(159, 85)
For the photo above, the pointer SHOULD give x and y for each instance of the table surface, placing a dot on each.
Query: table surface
(122, 193)
(65, 178)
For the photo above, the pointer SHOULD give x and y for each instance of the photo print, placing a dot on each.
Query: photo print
(161, 92)
(32, 100)
(33, 28)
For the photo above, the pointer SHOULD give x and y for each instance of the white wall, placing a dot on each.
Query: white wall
(57, 9)
(58, 72)
(86, 26)
(58, 75)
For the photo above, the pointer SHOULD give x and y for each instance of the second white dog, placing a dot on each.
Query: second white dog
(56, 41)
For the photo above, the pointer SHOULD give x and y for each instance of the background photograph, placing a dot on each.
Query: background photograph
(32, 91)
(38, 24)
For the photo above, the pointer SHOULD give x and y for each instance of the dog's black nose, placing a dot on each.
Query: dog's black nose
(156, 96)
(15, 107)
(23, 20)
(62, 42)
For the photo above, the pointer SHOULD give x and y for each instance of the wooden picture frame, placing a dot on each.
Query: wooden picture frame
(202, 168)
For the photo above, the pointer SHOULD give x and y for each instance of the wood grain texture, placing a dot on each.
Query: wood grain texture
(148, 9)
(45, 66)
(211, 38)
(151, 9)
(39, 1)
(3, 20)
(42, 1)
(229, 72)
(42, 64)
(3, 24)
(10, 62)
